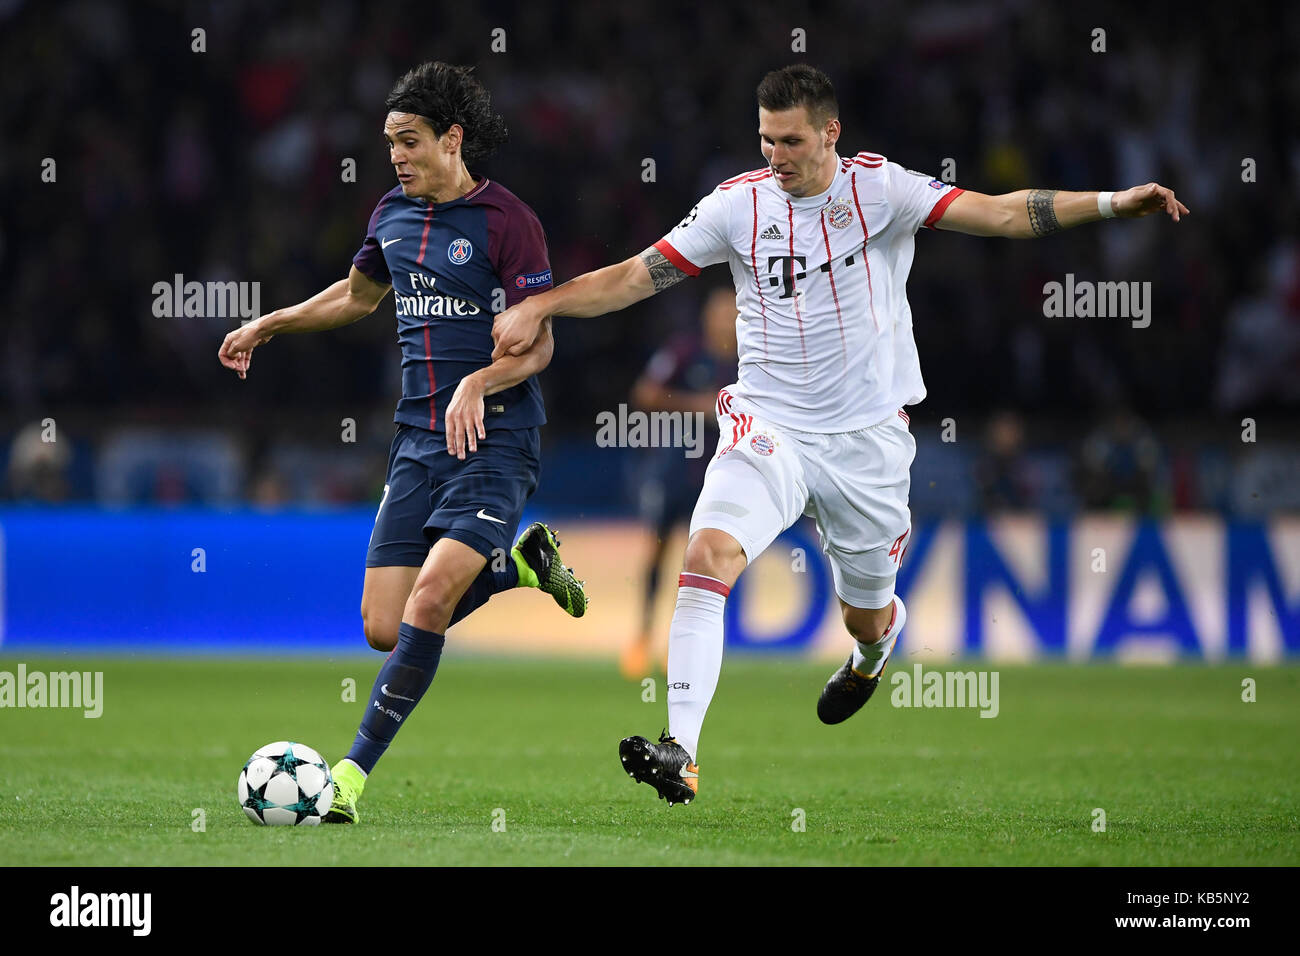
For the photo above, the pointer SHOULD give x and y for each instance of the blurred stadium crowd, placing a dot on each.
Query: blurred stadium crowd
(226, 165)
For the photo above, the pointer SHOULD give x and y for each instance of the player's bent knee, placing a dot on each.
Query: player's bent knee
(867, 624)
(381, 633)
(716, 554)
(383, 597)
(430, 605)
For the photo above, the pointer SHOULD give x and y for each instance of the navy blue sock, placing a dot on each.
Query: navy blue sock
(402, 681)
(487, 583)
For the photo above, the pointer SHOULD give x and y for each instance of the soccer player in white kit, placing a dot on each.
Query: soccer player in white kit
(819, 246)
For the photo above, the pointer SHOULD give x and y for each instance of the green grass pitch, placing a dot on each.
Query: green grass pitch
(1186, 772)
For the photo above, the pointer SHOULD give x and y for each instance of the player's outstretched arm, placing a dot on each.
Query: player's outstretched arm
(595, 293)
(1030, 213)
(464, 419)
(342, 303)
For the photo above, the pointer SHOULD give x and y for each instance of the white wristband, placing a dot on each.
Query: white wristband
(1104, 207)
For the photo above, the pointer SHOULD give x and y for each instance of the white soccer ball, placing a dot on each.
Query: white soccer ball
(286, 784)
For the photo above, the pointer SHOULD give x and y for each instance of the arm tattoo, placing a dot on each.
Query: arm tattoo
(1041, 204)
(663, 273)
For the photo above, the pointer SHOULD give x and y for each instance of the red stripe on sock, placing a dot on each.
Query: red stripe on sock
(687, 580)
(893, 615)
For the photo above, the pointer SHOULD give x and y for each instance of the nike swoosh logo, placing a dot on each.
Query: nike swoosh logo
(488, 517)
(384, 691)
(385, 243)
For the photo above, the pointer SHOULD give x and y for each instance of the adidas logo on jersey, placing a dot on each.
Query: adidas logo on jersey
(771, 232)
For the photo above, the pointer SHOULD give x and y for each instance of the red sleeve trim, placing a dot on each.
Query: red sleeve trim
(676, 258)
(941, 207)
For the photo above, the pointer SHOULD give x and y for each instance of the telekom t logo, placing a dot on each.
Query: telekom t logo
(787, 264)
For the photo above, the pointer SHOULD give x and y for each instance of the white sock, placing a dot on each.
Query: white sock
(867, 658)
(694, 656)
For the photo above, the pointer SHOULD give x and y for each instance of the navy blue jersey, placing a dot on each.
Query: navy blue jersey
(449, 264)
(684, 364)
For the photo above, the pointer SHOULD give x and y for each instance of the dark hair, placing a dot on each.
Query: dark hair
(800, 85)
(444, 94)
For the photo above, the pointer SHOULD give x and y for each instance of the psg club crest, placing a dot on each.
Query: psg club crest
(459, 251)
(840, 214)
(762, 445)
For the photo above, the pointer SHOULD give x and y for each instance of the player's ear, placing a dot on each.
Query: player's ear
(454, 137)
(832, 133)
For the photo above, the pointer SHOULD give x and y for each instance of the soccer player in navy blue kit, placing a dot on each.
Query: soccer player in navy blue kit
(455, 248)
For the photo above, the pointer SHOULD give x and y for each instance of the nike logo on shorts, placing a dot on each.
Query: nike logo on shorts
(487, 517)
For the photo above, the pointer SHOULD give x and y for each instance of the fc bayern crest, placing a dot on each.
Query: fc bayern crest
(762, 444)
(459, 251)
(840, 214)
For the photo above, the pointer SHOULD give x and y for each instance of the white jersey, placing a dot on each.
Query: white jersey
(824, 332)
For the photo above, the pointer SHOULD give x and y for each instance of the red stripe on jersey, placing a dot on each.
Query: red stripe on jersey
(676, 258)
(424, 236)
(433, 381)
(903, 415)
(735, 179)
(862, 159)
(753, 261)
(941, 207)
(705, 583)
(830, 271)
(866, 237)
(859, 162)
(757, 178)
(798, 312)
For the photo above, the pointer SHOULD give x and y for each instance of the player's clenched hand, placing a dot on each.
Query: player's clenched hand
(1144, 200)
(236, 351)
(516, 329)
(464, 420)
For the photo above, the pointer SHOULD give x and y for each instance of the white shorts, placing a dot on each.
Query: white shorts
(855, 484)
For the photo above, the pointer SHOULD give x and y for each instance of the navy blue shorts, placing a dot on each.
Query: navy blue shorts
(431, 494)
